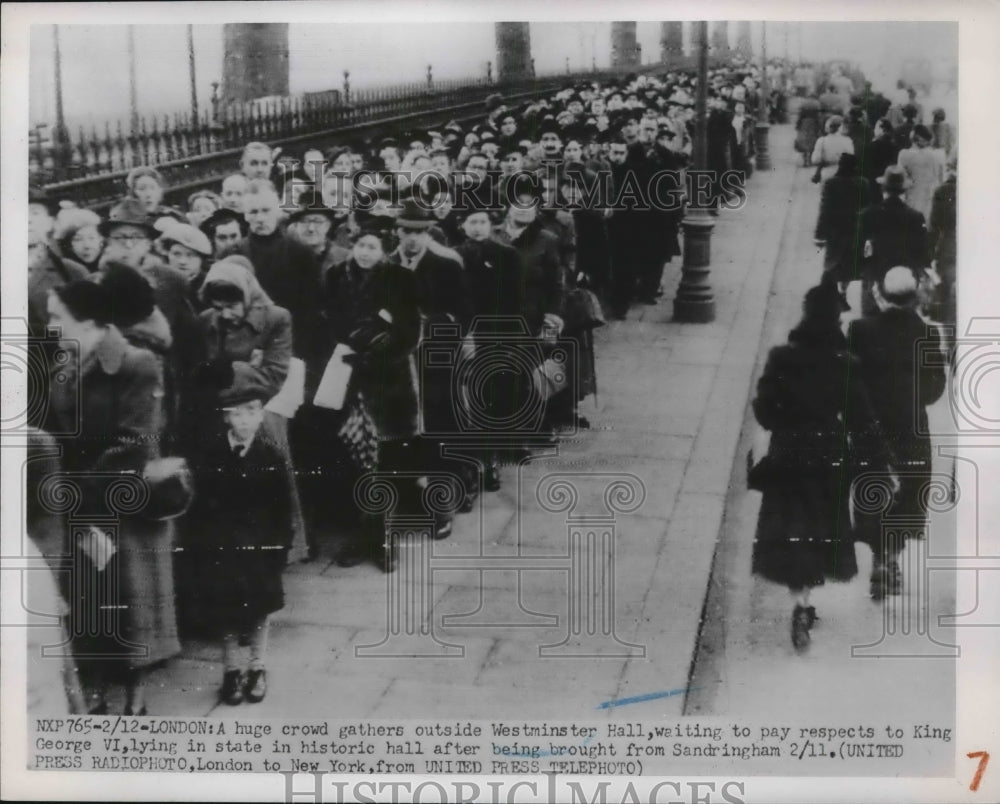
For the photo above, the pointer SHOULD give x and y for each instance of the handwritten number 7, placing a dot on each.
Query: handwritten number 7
(984, 758)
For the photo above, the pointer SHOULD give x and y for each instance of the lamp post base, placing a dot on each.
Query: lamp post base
(762, 133)
(695, 303)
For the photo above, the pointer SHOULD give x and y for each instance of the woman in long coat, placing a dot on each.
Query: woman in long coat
(924, 168)
(112, 397)
(823, 431)
(807, 129)
(845, 195)
(371, 306)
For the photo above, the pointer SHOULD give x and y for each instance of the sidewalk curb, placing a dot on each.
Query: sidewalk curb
(696, 521)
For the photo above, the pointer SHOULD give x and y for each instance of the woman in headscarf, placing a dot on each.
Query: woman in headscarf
(823, 431)
(244, 335)
(243, 332)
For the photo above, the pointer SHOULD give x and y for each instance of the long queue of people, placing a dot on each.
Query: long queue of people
(847, 457)
(306, 326)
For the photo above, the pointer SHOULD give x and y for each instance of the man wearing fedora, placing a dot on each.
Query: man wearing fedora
(900, 384)
(443, 300)
(893, 234)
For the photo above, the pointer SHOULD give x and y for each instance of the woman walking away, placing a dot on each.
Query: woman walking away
(822, 431)
(807, 129)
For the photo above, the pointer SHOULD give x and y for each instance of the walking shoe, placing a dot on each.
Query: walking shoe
(256, 687)
(801, 622)
(491, 477)
(442, 528)
(232, 687)
(141, 713)
(388, 558)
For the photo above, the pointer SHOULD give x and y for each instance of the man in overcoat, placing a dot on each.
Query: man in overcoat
(893, 234)
(893, 348)
(443, 301)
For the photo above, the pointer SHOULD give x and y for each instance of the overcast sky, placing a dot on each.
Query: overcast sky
(95, 68)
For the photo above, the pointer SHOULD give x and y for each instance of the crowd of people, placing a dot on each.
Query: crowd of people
(844, 409)
(255, 353)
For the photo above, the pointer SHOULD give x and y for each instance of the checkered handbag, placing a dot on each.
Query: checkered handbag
(359, 435)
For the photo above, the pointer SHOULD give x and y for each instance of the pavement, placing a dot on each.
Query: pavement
(865, 658)
(577, 590)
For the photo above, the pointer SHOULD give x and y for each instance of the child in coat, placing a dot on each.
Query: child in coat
(246, 531)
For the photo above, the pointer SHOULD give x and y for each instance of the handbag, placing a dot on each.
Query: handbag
(171, 488)
(760, 464)
(359, 435)
(817, 177)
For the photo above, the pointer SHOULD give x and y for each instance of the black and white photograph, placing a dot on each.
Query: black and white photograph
(463, 393)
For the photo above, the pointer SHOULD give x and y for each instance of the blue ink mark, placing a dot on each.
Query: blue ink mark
(649, 696)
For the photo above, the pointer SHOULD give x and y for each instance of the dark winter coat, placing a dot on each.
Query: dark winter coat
(49, 271)
(443, 303)
(823, 432)
(944, 248)
(898, 237)
(889, 346)
(243, 522)
(880, 153)
(807, 126)
(266, 328)
(543, 269)
(289, 273)
(839, 224)
(115, 399)
(892, 348)
(385, 372)
(495, 278)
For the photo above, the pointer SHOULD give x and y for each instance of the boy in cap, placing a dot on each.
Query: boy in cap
(244, 513)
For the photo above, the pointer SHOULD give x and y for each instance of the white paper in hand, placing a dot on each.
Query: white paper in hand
(333, 386)
(98, 547)
(293, 393)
